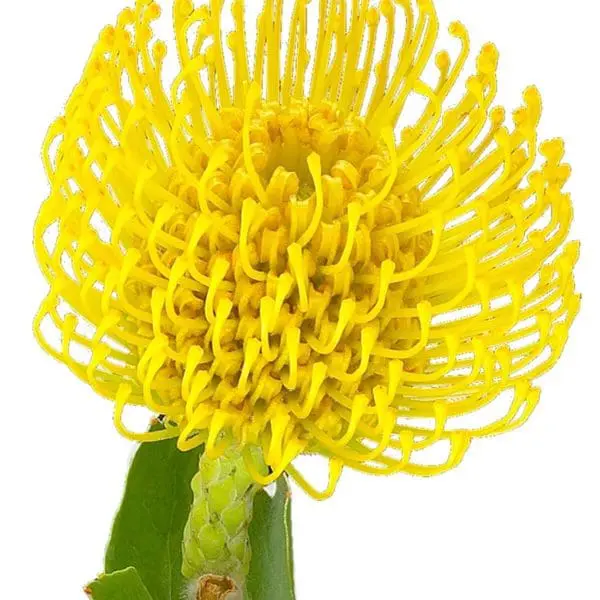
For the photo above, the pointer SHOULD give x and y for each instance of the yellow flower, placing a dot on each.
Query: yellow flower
(329, 259)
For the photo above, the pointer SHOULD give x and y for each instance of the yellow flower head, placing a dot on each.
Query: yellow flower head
(311, 252)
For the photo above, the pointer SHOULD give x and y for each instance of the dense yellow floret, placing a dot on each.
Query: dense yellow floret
(268, 253)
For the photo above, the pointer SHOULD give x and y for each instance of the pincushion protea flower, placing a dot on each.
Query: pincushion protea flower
(276, 255)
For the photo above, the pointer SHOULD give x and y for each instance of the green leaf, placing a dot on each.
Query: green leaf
(148, 529)
(272, 567)
(118, 586)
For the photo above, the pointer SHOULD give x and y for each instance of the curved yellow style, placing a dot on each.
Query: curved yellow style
(312, 252)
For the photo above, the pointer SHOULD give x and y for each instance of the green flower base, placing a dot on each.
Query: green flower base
(144, 557)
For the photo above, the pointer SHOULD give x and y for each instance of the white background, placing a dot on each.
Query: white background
(518, 520)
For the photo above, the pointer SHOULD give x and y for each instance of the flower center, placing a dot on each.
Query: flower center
(288, 214)
(289, 149)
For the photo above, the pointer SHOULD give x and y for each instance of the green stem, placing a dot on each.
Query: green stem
(216, 540)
